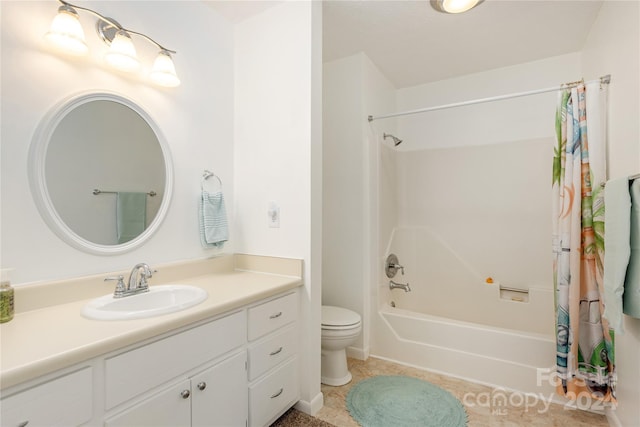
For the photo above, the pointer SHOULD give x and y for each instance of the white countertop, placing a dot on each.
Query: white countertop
(43, 340)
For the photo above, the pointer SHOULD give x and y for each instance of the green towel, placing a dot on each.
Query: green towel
(214, 230)
(616, 248)
(631, 304)
(131, 215)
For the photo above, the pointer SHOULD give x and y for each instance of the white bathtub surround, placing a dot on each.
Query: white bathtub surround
(445, 284)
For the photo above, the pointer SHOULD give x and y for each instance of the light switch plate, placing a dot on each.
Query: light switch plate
(273, 214)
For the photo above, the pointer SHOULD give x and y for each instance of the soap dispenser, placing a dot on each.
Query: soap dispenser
(6, 296)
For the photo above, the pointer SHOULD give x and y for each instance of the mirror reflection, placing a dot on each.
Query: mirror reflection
(107, 146)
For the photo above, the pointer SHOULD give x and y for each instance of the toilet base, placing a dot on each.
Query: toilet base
(334, 370)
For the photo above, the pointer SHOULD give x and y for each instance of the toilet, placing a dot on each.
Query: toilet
(340, 329)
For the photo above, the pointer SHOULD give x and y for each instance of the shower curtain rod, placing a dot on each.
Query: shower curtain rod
(603, 80)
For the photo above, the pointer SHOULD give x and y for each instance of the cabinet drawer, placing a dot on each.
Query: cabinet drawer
(267, 353)
(274, 394)
(138, 370)
(271, 315)
(64, 401)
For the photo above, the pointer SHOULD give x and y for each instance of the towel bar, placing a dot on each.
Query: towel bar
(96, 192)
(208, 174)
(631, 178)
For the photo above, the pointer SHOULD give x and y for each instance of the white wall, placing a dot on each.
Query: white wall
(277, 155)
(196, 119)
(511, 120)
(343, 210)
(379, 95)
(613, 47)
(353, 88)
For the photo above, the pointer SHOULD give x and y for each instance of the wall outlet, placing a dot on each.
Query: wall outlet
(273, 214)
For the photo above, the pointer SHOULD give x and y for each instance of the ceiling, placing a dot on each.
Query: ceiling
(413, 44)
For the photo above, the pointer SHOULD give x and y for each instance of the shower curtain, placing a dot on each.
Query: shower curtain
(585, 351)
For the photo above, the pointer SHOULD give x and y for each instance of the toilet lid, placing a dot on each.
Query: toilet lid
(338, 316)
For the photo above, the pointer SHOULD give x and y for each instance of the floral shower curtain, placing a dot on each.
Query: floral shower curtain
(585, 351)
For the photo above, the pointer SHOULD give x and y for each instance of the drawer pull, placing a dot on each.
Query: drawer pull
(185, 394)
(202, 385)
(273, 396)
(275, 316)
(273, 353)
(23, 424)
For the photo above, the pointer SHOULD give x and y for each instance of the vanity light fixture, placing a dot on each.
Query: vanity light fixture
(66, 34)
(454, 6)
(122, 53)
(163, 72)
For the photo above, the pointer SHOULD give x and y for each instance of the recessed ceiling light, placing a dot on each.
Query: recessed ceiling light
(454, 6)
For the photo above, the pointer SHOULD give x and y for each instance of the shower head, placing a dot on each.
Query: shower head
(396, 141)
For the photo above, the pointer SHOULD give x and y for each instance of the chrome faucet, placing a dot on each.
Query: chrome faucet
(138, 278)
(137, 281)
(403, 286)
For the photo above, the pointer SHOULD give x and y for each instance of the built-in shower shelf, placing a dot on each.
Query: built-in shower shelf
(514, 294)
(508, 293)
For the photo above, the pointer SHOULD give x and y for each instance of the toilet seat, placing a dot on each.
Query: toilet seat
(338, 318)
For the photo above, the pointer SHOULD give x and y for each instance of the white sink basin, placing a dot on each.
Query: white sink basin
(159, 300)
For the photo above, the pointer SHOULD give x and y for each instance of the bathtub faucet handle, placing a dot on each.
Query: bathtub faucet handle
(391, 266)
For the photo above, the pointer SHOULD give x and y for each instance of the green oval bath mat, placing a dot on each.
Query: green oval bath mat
(385, 401)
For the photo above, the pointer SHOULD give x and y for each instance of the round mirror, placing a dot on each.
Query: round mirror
(100, 173)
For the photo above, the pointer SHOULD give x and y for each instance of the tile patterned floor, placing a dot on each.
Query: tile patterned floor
(335, 412)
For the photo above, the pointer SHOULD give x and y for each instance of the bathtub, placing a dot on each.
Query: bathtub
(506, 358)
(455, 323)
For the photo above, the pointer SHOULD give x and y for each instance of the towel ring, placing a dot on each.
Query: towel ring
(208, 174)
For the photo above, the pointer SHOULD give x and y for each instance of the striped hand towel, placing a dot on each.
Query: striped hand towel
(214, 230)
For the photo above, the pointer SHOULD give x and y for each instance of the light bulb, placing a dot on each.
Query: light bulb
(122, 53)
(66, 32)
(163, 72)
(455, 6)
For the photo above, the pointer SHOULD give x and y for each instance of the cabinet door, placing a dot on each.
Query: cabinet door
(170, 407)
(220, 394)
(65, 401)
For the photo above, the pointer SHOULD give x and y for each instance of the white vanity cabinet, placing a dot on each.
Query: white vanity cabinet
(235, 369)
(273, 364)
(63, 401)
(134, 372)
(212, 396)
(166, 408)
(219, 394)
(216, 396)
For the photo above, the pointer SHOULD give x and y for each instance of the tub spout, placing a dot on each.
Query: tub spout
(404, 286)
